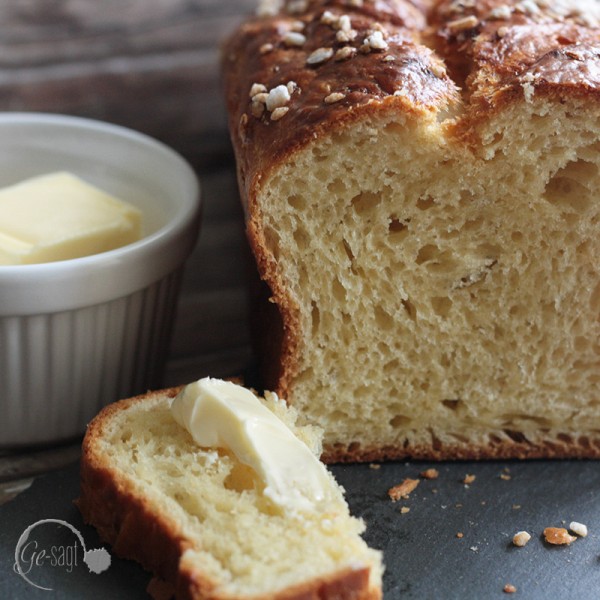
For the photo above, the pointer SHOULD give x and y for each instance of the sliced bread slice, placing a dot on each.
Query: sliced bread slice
(197, 519)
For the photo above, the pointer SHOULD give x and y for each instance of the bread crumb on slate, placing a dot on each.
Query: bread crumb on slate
(430, 474)
(469, 479)
(404, 510)
(460, 534)
(402, 490)
(509, 588)
(375, 466)
(558, 536)
(521, 538)
(504, 476)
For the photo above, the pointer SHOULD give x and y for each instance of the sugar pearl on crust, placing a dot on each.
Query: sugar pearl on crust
(375, 41)
(279, 96)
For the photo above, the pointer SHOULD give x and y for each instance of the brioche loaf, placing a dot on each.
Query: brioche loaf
(196, 518)
(421, 191)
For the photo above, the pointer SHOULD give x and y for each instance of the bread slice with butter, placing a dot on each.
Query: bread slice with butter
(203, 521)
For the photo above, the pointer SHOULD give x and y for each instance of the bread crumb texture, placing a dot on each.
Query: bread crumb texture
(216, 504)
(558, 536)
(435, 260)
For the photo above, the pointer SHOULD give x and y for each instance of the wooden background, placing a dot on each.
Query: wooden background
(152, 65)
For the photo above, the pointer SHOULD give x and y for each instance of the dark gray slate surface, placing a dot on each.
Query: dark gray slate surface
(424, 557)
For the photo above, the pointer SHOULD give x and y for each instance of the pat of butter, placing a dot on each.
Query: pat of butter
(59, 216)
(221, 414)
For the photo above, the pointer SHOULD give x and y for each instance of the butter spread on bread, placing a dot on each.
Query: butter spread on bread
(222, 414)
(198, 519)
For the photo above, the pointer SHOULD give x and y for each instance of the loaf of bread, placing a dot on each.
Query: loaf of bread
(421, 184)
(196, 516)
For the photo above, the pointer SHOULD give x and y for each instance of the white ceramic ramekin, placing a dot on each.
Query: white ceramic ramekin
(78, 334)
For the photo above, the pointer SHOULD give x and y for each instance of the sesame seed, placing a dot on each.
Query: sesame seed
(278, 97)
(458, 6)
(355, 3)
(320, 55)
(345, 53)
(346, 36)
(328, 18)
(463, 24)
(279, 112)
(258, 108)
(257, 88)
(297, 26)
(297, 6)
(267, 8)
(344, 23)
(291, 87)
(293, 38)
(261, 97)
(528, 7)
(388, 58)
(502, 31)
(266, 48)
(500, 12)
(333, 98)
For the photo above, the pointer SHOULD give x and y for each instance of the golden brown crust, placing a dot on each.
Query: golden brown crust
(498, 449)
(128, 522)
(367, 75)
(496, 49)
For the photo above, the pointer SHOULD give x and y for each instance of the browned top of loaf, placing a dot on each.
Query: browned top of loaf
(395, 55)
(494, 47)
(340, 62)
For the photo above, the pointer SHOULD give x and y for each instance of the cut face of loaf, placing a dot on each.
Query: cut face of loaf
(197, 518)
(434, 256)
